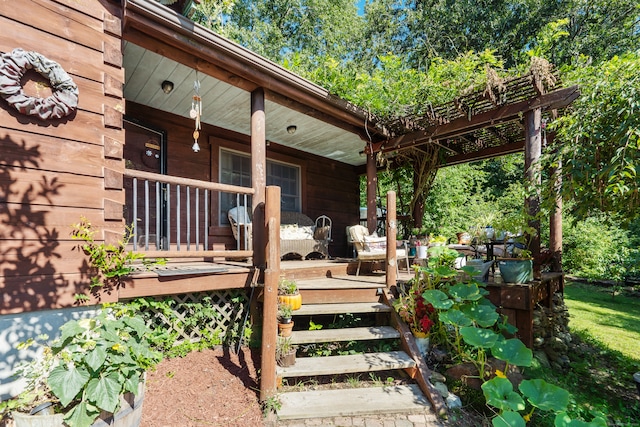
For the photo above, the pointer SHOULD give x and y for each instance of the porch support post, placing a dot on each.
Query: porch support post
(270, 300)
(532, 153)
(391, 268)
(258, 174)
(372, 187)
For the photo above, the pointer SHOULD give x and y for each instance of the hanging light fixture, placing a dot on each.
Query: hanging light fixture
(292, 129)
(196, 113)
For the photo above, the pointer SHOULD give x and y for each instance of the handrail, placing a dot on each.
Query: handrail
(175, 180)
(171, 215)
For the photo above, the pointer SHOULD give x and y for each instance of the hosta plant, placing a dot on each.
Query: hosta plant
(90, 366)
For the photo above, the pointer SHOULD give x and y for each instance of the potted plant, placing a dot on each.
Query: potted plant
(83, 375)
(285, 324)
(518, 269)
(288, 294)
(516, 265)
(285, 352)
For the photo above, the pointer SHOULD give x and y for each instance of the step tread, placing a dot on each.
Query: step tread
(334, 365)
(344, 334)
(352, 402)
(340, 308)
(342, 282)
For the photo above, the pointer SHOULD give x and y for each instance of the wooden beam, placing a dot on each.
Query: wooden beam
(557, 99)
(486, 153)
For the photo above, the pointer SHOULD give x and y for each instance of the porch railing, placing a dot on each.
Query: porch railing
(171, 215)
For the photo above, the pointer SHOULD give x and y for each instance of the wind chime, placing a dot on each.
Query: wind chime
(196, 113)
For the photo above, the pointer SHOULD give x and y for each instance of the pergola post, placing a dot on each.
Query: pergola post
(555, 221)
(258, 174)
(391, 269)
(372, 190)
(532, 154)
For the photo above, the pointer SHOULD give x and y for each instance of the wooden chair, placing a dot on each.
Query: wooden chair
(372, 248)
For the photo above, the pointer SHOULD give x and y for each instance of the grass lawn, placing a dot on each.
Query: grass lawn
(604, 355)
(614, 322)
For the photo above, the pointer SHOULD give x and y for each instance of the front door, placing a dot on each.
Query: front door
(145, 150)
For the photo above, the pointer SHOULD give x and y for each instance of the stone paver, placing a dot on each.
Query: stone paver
(383, 420)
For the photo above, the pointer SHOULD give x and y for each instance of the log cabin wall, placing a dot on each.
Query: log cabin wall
(328, 187)
(54, 171)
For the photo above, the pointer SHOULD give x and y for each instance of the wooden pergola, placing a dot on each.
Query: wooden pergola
(504, 118)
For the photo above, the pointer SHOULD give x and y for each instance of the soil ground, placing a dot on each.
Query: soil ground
(206, 388)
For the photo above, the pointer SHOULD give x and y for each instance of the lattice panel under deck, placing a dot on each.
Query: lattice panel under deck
(222, 312)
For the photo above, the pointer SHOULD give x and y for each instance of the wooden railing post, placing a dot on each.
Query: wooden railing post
(271, 278)
(392, 230)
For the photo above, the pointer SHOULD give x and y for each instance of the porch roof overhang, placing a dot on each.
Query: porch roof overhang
(160, 44)
(480, 125)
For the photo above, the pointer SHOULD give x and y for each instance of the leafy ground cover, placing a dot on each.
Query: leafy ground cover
(605, 354)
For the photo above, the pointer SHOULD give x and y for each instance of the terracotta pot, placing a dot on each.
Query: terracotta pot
(285, 329)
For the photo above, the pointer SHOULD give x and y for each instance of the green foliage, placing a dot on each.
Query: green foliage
(109, 263)
(196, 322)
(599, 141)
(287, 287)
(92, 363)
(284, 311)
(470, 327)
(597, 248)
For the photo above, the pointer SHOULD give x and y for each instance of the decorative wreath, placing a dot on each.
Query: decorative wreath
(61, 103)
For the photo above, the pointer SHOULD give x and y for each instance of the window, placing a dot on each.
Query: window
(286, 177)
(235, 169)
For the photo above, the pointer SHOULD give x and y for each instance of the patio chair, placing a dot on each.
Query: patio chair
(373, 248)
(240, 226)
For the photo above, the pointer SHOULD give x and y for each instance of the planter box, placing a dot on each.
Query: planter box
(129, 415)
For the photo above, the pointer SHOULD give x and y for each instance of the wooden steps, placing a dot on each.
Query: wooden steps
(342, 308)
(346, 334)
(360, 296)
(334, 365)
(352, 402)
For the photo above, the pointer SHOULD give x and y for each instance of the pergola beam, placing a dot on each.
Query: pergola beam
(463, 125)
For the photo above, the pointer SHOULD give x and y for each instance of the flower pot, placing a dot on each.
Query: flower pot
(293, 301)
(422, 341)
(422, 252)
(284, 329)
(516, 271)
(463, 238)
(288, 359)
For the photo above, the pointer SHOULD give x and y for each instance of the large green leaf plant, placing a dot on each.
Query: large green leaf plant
(472, 330)
(87, 369)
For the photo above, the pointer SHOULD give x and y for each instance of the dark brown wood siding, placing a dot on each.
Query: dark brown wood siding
(52, 172)
(328, 187)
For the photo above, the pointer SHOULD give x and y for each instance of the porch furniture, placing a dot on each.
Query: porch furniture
(302, 236)
(371, 248)
(241, 226)
(299, 235)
